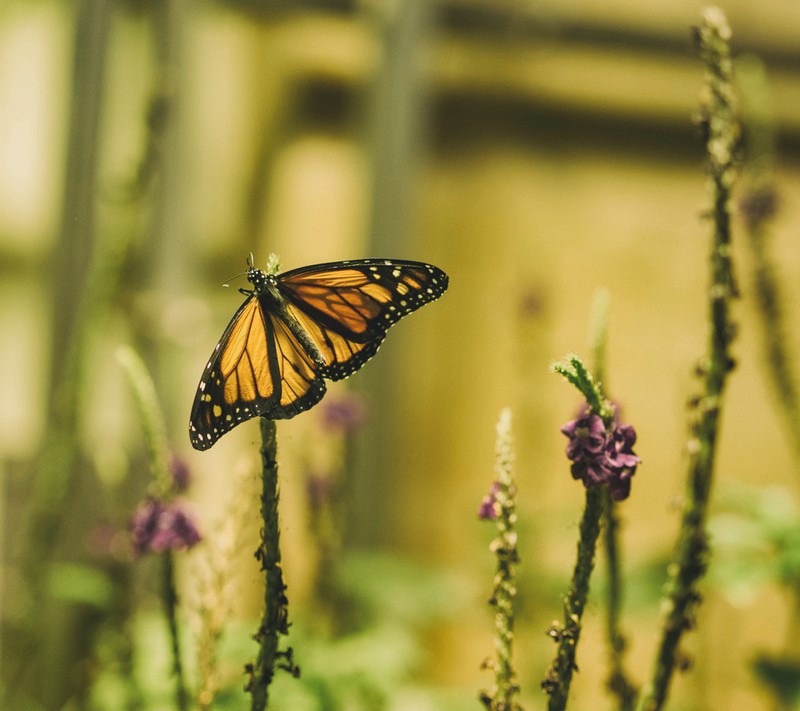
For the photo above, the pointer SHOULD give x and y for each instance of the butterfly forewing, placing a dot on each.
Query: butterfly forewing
(258, 368)
(243, 363)
(347, 307)
(265, 362)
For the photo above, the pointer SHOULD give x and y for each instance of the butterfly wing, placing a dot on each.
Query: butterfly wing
(260, 367)
(257, 368)
(347, 307)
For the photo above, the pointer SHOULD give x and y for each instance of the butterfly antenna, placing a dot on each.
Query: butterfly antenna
(227, 283)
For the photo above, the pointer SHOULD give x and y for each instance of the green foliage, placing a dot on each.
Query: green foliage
(381, 586)
(371, 666)
(757, 542)
(80, 583)
(387, 605)
(782, 676)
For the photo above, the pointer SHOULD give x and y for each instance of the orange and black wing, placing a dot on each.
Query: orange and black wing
(347, 307)
(257, 368)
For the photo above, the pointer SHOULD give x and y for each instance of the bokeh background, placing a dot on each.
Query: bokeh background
(536, 151)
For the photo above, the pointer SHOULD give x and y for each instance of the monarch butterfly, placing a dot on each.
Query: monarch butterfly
(297, 329)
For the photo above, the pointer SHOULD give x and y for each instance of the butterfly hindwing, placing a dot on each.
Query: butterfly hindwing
(301, 385)
(299, 328)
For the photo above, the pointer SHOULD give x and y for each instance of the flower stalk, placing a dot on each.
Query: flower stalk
(275, 621)
(601, 451)
(500, 506)
(618, 681)
(758, 207)
(160, 525)
(171, 611)
(691, 555)
(567, 634)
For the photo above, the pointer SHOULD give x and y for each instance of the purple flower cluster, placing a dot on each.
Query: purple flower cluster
(489, 509)
(343, 414)
(157, 526)
(179, 473)
(602, 455)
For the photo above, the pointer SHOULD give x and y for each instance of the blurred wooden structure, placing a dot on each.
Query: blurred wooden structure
(552, 153)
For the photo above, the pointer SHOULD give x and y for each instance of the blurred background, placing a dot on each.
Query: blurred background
(537, 152)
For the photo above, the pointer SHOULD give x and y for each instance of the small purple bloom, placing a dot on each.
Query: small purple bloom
(600, 454)
(179, 471)
(587, 436)
(759, 205)
(343, 414)
(488, 509)
(622, 460)
(157, 526)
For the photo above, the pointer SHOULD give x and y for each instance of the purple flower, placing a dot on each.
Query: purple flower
(587, 436)
(343, 414)
(179, 471)
(157, 526)
(759, 205)
(488, 510)
(600, 454)
(622, 460)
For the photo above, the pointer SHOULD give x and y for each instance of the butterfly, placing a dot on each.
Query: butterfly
(299, 328)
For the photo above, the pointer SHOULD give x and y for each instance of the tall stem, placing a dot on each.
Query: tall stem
(690, 559)
(559, 675)
(275, 621)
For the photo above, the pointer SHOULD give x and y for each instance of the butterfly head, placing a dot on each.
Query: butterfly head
(260, 278)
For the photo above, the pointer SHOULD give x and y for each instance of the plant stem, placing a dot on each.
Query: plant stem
(171, 606)
(276, 613)
(502, 697)
(618, 681)
(56, 636)
(559, 675)
(690, 559)
(758, 207)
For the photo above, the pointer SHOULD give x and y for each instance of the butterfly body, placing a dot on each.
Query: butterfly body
(299, 328)
(266, 288)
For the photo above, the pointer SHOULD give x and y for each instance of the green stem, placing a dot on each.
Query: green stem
(56, 636)
(276, 613)
(690, 559)
(758, 206)
(502, 696)
(171, 607)
(559, 675)
(618, 682)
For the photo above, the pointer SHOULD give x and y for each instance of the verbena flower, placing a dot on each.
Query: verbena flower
(622, 460)
(179, 472)
(157, 526)
(758, 205)
(489, 506)
(343, 414)
(602, 454)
